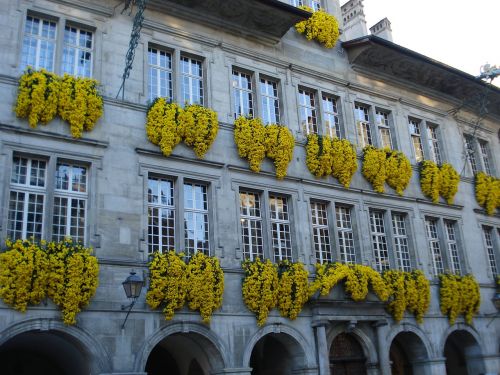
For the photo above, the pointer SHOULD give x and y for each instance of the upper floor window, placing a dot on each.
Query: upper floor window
(363, 125)
(379, 240)
(280, 228)
(243, 94)
(321, 232)
(77, 51)
(425, 140)
(343, 217)
(331, 116)
(270, 101)
(489, 241)
(30, 194)
(313, 4)
(162, 209)
(251, 225)
(384, 131)
(478, 154)
(439, 230)
(307, 112)
(160, 74)
(191, 80)
(415, 132)
(40, 45)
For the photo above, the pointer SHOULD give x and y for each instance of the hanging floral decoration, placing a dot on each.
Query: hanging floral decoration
(79, 103)
(167, 124)
(205, 281)
(438, 181)
(488, 192)
(293, 290)
(321, 26)
(73, 277)
(255, 140)
(326, 156)
(173, 282)
(42, 95)
(38, 96)
(63, 271)
(459, 295)
(260, 287)
(386, 165)
(410, 291)
(404, 291)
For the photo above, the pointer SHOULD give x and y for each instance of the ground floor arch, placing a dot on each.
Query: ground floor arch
(463, 354)
(277, 354)
(184, 353)
(347, 356)
(407, 354)
(44, 353)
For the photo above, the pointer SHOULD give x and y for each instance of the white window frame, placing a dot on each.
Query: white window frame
(491, 244)
(331, 116)
(432, 232)
(239, 92)
(320, 231)
(401, 241)
(78, 50)
(415, 128)
(363, 126)
(167, 70)
(251, 249)
(196, 212)
(452, 246)
(280, 252)
(382, 121)
(345, 233)
(159, 206)
(308, 117)
(39, 41)
(378, 233)
(269, 100)
(187, 93)
(433, 142)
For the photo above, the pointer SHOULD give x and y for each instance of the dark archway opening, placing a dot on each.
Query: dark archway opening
(43, 353)
(347, 356)
(183, 354)
(407, 350)
(463, 354)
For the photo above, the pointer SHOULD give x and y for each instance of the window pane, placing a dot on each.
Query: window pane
(307, 112)
(432, 236)
(77, 52)
(243, 95)
(321, 233)
(401, 242)
(192, 81)
(280, 228)
(160, 74)
(379, 241)
(38, 49)
(196, 234)
(270, 101)
(251, 225)
(161, 215)
(345, 234)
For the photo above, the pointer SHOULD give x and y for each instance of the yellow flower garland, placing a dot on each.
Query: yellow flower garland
(260, 288)
(293, 288)
(386, 165)
(63, 271)
(321, 26)
(459, 295)
(42, 95)
(23, 274)
(205, 281)
(488, 192)
(325, 156)
(438, 181)
(449, 182)
(38, 96)
(79, 103)
(254, 140)
(167, 124)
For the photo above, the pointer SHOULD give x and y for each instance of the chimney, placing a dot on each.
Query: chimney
(354, 20)
(382, 29)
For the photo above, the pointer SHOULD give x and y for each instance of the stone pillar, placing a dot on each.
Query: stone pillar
(322, 348)
(372, 369)
(382, 328)
(233, 371)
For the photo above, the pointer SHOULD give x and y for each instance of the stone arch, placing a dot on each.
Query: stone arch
(410, 328)
(366, 343)
(291, 338)
(217, 354)
(463, 349)
(97, 355)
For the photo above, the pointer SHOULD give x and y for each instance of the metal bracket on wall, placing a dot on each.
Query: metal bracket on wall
(134, 39)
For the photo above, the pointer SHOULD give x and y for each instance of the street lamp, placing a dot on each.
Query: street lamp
(132, 286)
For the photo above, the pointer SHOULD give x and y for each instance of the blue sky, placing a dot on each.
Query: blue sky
(463, 34)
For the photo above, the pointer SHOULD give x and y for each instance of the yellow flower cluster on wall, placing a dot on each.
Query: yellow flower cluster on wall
(255, 140)
(42, 95)
(293, 291)
(459, 295)
(260, 287)
(172, 282)
(321, 26)
(326, 156)
(386, 165)
(168, 124)
(488, 192)
(405, 291)
(438, 181)
(63, 271)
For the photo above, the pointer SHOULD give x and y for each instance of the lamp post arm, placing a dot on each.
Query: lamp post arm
(128, 312)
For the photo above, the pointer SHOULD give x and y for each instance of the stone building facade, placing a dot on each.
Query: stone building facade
(245, 56)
